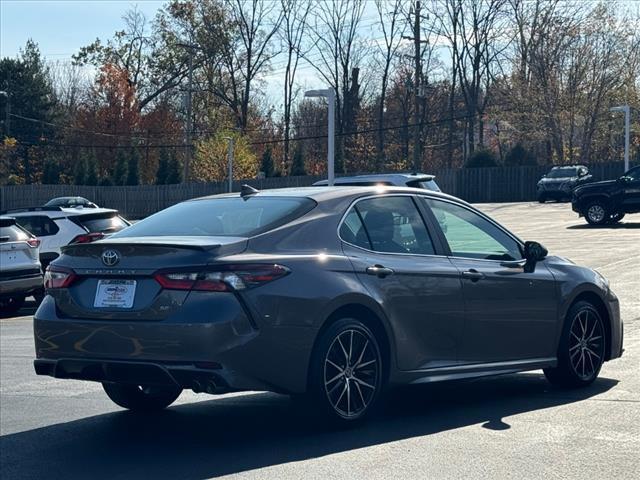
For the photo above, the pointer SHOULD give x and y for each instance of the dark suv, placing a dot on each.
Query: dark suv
(559, 183)
(608, 202)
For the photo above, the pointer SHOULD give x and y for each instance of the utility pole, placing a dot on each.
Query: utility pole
(230, 163)
(187, 158)
(187, 140)
(330, 95)
(416, 99)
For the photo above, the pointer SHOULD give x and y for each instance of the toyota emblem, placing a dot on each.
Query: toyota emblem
(110, 257)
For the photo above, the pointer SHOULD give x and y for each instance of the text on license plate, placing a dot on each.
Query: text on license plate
(115, 294)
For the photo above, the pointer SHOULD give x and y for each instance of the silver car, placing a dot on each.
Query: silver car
(20, 272)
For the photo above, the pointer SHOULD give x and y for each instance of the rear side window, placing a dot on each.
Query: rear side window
(102, 223)
(12, 233)
(39, 225)
(387, 225)
(221, 217)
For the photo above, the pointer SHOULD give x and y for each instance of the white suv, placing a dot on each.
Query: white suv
(20, 271)
(56, 227)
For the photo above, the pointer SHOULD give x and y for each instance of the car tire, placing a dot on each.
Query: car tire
(10, 305)
(581, 350)
(597, 213)
(141, 398)
(346, 376)
(615, 218)
(542, 198)
(38, 296)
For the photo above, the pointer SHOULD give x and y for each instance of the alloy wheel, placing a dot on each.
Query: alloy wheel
(586, 344)
(351, 373)
(596, 213)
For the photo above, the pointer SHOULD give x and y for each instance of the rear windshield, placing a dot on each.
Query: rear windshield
(233, 217)
(103, 223)
(12, 234)
(563, 173)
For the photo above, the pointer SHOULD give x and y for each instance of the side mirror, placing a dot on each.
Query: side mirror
(533, 253)
(624, 179)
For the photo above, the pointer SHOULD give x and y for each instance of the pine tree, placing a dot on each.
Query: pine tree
(80, 172)
(297, 164)
(119, 176)
(92, 171)
(133, 177)
(267, 163)
(174, 170)
(163, 167)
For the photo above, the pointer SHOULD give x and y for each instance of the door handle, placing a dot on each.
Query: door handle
(473, 275)
(379, 271)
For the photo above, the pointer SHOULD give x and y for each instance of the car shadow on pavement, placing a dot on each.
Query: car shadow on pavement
(29, 308)
(586, 226)
(237, 434)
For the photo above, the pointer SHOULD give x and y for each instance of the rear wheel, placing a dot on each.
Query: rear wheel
(346, 376)
(10, 305)
(542, 198)
(582, 348)
(141, 398)
(597, 213)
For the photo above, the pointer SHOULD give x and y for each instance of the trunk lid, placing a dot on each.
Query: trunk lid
(129, 264)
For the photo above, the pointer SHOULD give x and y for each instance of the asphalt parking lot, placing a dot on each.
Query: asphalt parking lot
(515, 426)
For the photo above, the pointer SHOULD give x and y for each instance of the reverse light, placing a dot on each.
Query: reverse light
(225, 278)
(87, 237)
(58, 277)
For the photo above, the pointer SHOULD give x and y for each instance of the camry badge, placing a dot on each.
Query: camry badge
(110, 257)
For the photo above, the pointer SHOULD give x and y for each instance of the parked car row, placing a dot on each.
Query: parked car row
(41, 232)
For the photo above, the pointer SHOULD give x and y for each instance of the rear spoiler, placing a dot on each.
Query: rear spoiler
(192, 243)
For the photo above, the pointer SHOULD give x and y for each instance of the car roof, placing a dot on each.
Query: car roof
(59, 212)
(568, 166)
(398, 178)
(319, 193)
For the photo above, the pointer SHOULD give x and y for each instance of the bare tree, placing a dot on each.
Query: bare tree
(393, 27)
(335, 34)
(294, 21)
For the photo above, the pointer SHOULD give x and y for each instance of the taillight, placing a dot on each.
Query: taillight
(87, 237)
(58, 277)
(33, 242)
(225, 278)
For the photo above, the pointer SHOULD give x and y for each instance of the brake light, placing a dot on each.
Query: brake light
(58, 277)
(225, 278)
(87, 237)
(33, 242)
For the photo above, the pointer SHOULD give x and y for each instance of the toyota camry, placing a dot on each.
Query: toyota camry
(329, 294)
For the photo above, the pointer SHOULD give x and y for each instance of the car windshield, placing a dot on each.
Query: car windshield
(563, 172)
(234, 217)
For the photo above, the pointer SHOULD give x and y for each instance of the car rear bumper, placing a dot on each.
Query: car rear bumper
(226, 349)
(20, 285)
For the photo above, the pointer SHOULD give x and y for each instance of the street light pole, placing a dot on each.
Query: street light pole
(330, 95)
(627, 120)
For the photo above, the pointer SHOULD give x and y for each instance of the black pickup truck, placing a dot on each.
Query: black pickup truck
(607, 202)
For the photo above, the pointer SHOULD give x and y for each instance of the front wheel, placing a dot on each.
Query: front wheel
(346, 371)
(141, 398)
(582, 348)
(597, 213)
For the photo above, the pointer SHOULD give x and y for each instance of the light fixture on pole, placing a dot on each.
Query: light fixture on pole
(330, 95)
(627, 120)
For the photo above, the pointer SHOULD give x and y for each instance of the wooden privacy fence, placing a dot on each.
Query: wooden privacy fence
(476, 185)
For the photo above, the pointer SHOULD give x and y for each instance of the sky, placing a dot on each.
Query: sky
(62, 27)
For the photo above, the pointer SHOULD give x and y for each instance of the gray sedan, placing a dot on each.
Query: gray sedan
(327, 294)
